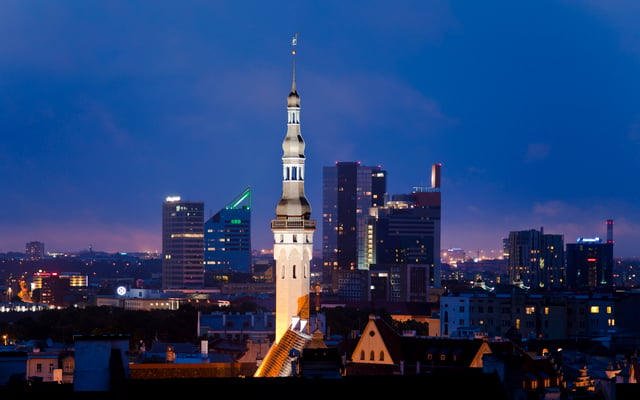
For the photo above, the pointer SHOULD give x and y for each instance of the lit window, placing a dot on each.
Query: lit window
(595, 309)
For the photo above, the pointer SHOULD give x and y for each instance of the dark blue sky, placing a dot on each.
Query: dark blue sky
(106, 108)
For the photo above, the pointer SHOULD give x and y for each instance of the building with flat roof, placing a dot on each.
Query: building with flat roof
(182, 244)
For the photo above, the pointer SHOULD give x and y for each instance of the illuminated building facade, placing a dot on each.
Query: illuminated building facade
(34, 251)
(293, 227)
(590, 264)
(227, 236)
(349, 191)
(293, 231)
(407, 229)
(182, 244)
(536, 259)
(50, 288)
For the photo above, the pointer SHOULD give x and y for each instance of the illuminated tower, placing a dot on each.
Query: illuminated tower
(293, 227)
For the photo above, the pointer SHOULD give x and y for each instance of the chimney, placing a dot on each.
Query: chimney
(610, 231)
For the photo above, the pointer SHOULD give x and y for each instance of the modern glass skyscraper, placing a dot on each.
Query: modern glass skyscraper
(182, 244)
(227, 236)
(349, 190)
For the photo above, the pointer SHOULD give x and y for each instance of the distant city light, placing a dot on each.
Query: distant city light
(588, 240)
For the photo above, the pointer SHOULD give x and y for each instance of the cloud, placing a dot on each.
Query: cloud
(634, 132)
(554, 208)
(622, 17)
(536, 152)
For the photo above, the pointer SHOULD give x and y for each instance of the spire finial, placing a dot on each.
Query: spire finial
(294, 99)
(294, 43)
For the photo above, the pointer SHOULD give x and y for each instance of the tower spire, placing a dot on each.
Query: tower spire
(294, 98)
(294, 43)
(293, 227)
(293, 202)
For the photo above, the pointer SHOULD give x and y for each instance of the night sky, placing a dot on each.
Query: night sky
(106, 108)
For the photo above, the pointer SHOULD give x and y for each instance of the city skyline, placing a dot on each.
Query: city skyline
(532, 109)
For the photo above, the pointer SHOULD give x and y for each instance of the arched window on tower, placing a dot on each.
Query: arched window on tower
(294, 171)
(293, 272)
(283, 271)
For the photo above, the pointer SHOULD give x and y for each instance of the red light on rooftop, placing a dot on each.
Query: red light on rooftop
(592, 259)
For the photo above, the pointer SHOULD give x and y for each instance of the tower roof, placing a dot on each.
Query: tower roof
(293, 203)
(293, 100)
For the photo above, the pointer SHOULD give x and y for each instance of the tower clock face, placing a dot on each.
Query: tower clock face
(121, 290)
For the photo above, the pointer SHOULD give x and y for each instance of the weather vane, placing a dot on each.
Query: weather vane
(294, 42)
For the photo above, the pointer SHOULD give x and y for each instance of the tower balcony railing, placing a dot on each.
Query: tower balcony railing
(306, 224)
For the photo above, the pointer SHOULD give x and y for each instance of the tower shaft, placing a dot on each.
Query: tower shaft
(293, 227)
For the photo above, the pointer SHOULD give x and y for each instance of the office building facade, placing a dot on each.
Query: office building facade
(590, 264)
(182, 244)
(535, 259)
(407, 229)
(227, 236)
(349, 191)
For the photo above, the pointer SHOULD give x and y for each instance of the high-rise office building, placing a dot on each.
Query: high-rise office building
(536, 259)
(51, 288)
(34, 251)
(182, 244)
(408, 229)
(590, 264)
(349, 191)
(227, 236)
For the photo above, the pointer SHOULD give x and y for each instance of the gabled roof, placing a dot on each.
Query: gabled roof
(385, 339)
(441, 351)
(382, 346)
